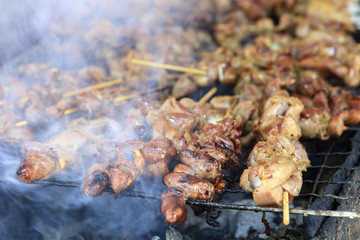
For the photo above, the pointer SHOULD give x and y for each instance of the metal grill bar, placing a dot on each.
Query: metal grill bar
(336, 167)
(356, 203)
(318, 175)
(309, 195)
(302, 194)
(304, 212)
(329, 154)
(331, 182)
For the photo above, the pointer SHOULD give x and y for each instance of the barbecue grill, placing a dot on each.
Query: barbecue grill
(329, 199)
(328, 204)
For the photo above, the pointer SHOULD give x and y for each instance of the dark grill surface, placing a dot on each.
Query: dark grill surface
(329, 194)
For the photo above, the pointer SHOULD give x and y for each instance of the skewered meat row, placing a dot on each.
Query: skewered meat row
(125, 158)
(43, 160)
(150, 158)
(12, 134)
(199, 175)
(276, 162)
(128, 164)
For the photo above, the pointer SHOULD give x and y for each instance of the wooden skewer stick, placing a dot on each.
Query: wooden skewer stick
(169, 67)
(21, 123)
(70, 111)
(230, 109)
(286, 217)
(207, 96)
(94, 87)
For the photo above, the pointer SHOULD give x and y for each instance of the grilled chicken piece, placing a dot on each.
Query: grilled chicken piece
(176, 127)
(57, 111)
(107, 150)
(139, 128)
(145, 105)
(11, 134)
(158, 153)
(216, 154)
(191, 186)
(98, 178)
(224, 137)
(182, 168)
(173, 206)
(183, 86)
(159, 149)
(314, 123)
(35, 115)
(129, 166)
(171, 105)
(92, 105)
(275, 164)
(337, 125)
(282, 106)
(247, 111)
(285, 126)
(158, 169)
(202, 165)
(41, 161)
(276, 146)
(266, 180)
(310, 82)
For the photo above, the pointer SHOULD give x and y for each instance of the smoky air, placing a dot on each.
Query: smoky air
(95, 144)
(43, 36)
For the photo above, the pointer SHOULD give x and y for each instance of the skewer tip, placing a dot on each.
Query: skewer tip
(21, 123)
(286, 216)
(207, 96)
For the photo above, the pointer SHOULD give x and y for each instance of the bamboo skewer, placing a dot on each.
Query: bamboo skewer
(21, 123)
(169, 67)
(230, 109)
(286, 217)
(207, 96)
(94, 87)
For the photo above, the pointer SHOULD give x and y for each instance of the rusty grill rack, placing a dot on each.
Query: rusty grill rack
(326, 182)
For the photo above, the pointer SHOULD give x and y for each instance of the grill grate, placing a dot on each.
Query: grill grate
(329, 159)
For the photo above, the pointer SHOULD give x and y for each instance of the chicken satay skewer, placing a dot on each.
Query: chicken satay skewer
(169, 67)
(75, 92)
(125, 172)
(118, 99)
(286, 217)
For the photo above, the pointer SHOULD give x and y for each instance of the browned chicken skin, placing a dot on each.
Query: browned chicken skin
(41, 161)
(173, 206)
(128, 167)
(202, 165)
(98, 178)
(191, 186)
(275, 164)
